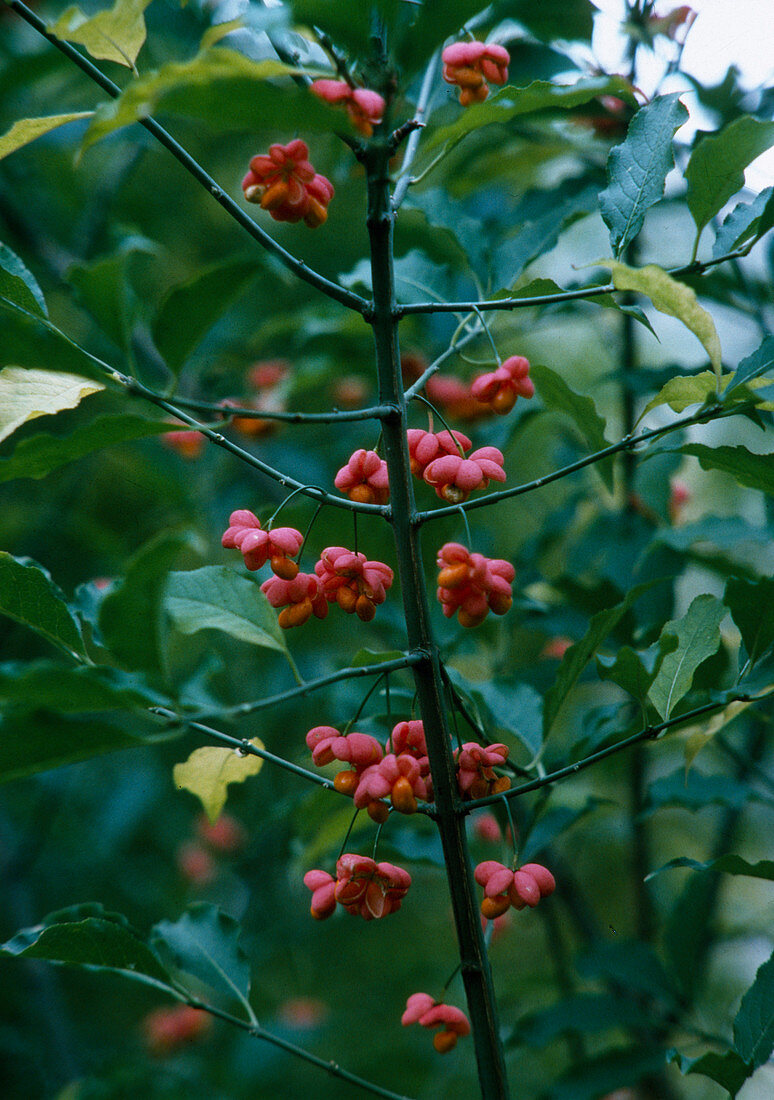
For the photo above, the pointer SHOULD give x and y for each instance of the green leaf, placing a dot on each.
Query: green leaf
(761, 360)
(698, 637)
(104, 289)
(695, 790)
(18, 284)
(684, 390)
(729, 864)
(541, 216)
(628, 670)
(715, 171)
(28, 595)
(687, 934)
(32, 341)
(754, 1023)
(208, 771)
(192, 308)
(37, 455)
(539, 96)
(746, 221)
(727, 1069)
(629, 964)
(558, 396)
(26, 394)
(92, 937)
(365, 657)
(637, 169)
(204, 943)
(37, 684)
(117, 34)
(577, 656)
(751, 604)
(129, 616)
(582, 1014)
(28, 129)
(198, 88)
(514, 708)
(756, 471)
(554, 823)
(217, 598)
(673, 298)
(603, 1073)
(572, 20)
(32, 742)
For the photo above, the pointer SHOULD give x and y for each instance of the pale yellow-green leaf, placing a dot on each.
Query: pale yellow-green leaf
(220, 30)
(27, 129)
(208, 771)
(673, 298)
(685, 390)
(117, 34)
(701, 734)
(25, 394)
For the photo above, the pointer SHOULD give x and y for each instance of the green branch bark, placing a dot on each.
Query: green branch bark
(475, 968)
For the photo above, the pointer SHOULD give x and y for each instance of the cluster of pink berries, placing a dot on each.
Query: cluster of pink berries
(402, 774)
(340, 576)
(504, 887)
(470, 65)
(285, 183)
(364, 107)
(423, 1010)
(473, 585)
(364, 888)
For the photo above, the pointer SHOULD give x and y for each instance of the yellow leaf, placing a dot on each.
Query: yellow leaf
(27, 129)
(117, 34)
(673, 298)
(208, 771)
(25, 394)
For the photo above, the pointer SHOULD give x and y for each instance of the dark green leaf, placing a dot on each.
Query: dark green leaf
(754, 1023)
(729, 864)
(37, 455)
(628, 670)
(28, 595)
(129, 617)
(217, 598)
(715, 171)
(577, 656)
(607, 1072)
(756, 471)
(698, 637)
(92, 937)
(45, 684)
(374, 657)
(553, 823)
(572, 19)
(541, 95)
(541, 216)
(687, 933)
(742, 223)
(191, 309)
(637, 169)
(726, 1069)
(35, 742)
(752, 608)
(32, 341)
(204, 943)
(696, 790)
(558, 396)
(104, 289)
(761, 360)
(630, 964)
(583, 1014)
(18, 284)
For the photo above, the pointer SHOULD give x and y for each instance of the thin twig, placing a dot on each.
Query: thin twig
(404, 178)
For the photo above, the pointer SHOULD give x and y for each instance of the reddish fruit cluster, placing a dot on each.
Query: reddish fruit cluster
(475, 777)
(473, 585)
(499, 388)
(195, 857)
(470, 65)
(439, 458)
(285, 183)
(402, 775)
(364, 888)
(266, 377)
(364, 478)
(300, 597)
(455, 398)
(423, 1010)
(504, 888)
(364, 107)
(167, 1029)
(225, 835)
(355, 584)
(257, 546)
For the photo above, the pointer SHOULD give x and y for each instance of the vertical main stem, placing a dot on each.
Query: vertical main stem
(474, 961)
